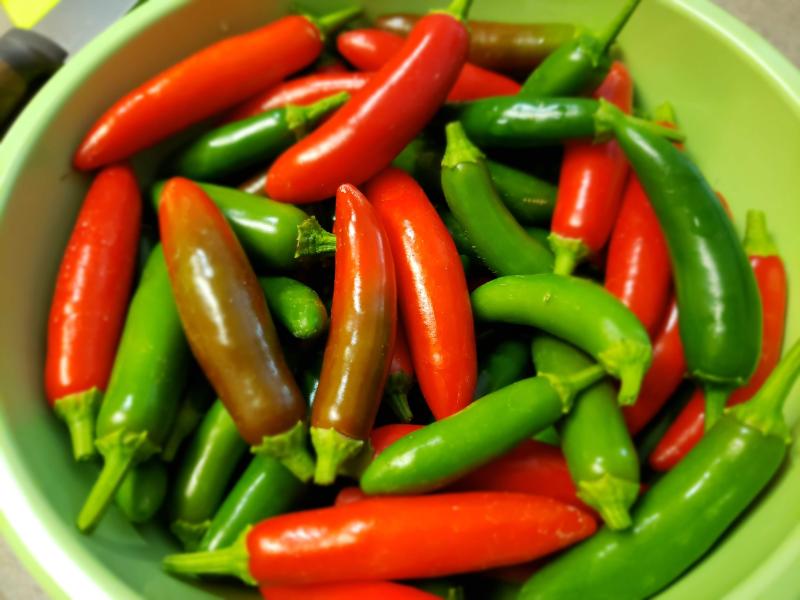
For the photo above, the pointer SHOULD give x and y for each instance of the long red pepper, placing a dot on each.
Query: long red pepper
(367, 133)
(770, 274)
(362, 333)
(591, 185)
(204, 84)
(90, 301)
(432, 292)
(401, 375)
(378, 590)
(301, 92)
(396, 538)
(370, 49)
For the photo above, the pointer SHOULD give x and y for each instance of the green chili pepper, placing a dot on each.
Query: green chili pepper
(204, 474)
(143, 490)
(445, 450)
(687, 510)
(506, 363)
(295, 306)
(268, 230)
(578, 311)
(234, 147)
(597, 446)
(146, 381)
(716, 290)
(518, 122)
(580, 64)
(194, 406)
(309, 379)
(265, 489)
(496, 236)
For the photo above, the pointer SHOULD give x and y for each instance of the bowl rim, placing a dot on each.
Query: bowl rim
(53, 558)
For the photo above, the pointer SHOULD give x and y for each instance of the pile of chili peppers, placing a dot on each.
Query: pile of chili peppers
(281, 373)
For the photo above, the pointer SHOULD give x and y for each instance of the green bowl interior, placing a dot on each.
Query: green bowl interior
(735, 97)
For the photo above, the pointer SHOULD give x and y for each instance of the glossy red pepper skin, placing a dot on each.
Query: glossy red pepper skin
(432, 292)
(370, 49)
(637, 267)
(378, 590)
(198, 87)
(368, 132)
(379, 539)
(664, 376)
(301, 92)
(362, 333)
(90, 301)
(591, 185)
(226, 319)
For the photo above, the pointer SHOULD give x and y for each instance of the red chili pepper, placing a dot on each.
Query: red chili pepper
(379, 590)
(770, 274)
(432, 292)
(591, 185)
(330, 64)
(301, 92)
(637, 268)
(370, 49)
(362, 334)
(204, 84)
(367, 133)
(348, 495)
(401, 377)
(383, 437)
(90, 302)
(664, 376)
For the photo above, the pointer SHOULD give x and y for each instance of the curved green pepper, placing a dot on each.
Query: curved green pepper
(496, 236)
(687, 510)
(142, 492)
(142, 397)
(204, 473)
(717, 294)
(265, 489)
(578, 311)
(295, 306)
(234, 147)
(198, 397)
(506, 362)
(268, 230)
(597, 446)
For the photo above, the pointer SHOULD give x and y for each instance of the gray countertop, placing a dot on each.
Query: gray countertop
(777, 20)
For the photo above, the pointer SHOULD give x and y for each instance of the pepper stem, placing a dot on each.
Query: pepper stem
(186, 420)
(716, 398)
(612, 497)
(459, 147)
(79, 412)
(457, 9)
(757, 240)
(302, 118)
(615, 27)
(313, 240)
(665, 113)
(568, 253)
(608, 117)
(630, 376)
(120, 450)
(233, 560)
(188, 533)
(333, 450)
(331, 22)
(289, 447)
(569, 386)
(765, 411)
(398, 401)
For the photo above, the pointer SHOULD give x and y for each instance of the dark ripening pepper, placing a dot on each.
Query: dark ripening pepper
(519, 122)
(142, 492)
(89, 303)
(363, 327)
(363, 138)
(446, 450)
(384, 590)
(203, 475)
(265, 489)
(770, 274)
(268, 230)
(229, 327)
(687, 510)
(506, 362)
(580, 64)
(514, 48)
(295, 306)
(205, 83)
(431, 291)
(400, 378)
(379, 539)
(146, 382)
(594, 439)
(253, 141)
(195, 404)
(718, 301)
(497, 237)
(578, 311)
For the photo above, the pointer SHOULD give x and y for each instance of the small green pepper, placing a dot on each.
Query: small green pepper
(505, 363)
(295, 306)
(142, 492)
(198, 397)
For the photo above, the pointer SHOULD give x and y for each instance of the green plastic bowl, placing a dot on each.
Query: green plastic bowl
(736, 98)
